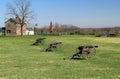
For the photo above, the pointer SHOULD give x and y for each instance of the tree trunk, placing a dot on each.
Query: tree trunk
(21, 30)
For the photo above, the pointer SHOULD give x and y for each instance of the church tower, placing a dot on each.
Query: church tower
(51, 30)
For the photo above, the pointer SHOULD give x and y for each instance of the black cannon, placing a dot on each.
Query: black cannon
(84, 51)
(39, 41)
(53, 46)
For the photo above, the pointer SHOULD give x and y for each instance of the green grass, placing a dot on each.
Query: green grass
(20, 60)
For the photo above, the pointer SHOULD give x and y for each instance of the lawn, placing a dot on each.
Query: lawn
(20, 60)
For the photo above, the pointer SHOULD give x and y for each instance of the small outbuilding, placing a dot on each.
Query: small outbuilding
(29, 32)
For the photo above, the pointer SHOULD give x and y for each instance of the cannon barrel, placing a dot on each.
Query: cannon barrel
(55, 43)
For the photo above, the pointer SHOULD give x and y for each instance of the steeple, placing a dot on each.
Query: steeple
(51, 28)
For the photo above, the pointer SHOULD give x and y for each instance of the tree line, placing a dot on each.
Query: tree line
(72, 29)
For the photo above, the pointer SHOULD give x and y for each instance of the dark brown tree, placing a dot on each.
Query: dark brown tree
(21, 9)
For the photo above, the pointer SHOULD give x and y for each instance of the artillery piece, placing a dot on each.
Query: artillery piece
(39, 41)
(84, 51)
(53, 46)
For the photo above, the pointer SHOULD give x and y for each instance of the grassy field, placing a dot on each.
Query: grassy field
(20, 60)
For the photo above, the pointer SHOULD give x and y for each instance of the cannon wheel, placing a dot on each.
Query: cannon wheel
(92, 53)
(85, 55)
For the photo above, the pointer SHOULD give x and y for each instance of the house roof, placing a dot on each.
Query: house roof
(16, 20)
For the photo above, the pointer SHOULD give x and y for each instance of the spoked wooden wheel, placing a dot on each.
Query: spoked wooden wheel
(85, 55)
(92, 53)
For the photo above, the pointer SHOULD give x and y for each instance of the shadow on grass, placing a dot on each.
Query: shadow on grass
(74, 58)
(78, 59)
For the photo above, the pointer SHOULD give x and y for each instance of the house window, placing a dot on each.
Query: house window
(8, 31)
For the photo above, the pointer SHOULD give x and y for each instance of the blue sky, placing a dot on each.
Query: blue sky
(82, 13)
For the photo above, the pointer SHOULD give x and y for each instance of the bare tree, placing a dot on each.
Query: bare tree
(21, 9)
(57, 27)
